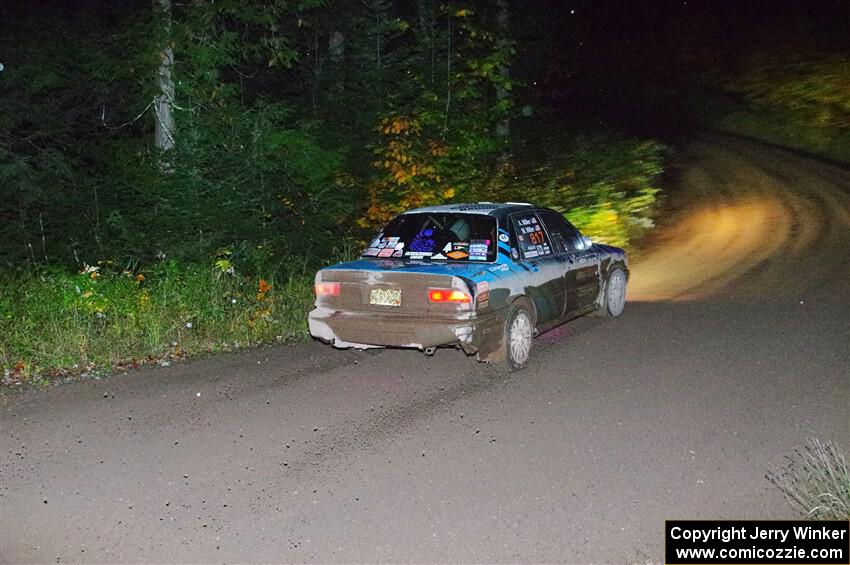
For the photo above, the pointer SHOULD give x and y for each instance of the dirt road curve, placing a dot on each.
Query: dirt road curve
(755, 222)
(733, 352)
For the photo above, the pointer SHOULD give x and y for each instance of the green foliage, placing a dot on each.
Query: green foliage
(777, 127)
(789, 93)
(439, 133)
(244, 175)
(297, 126)
(247, 169)
(56, 96)
(605, 185)
(814, 88)
(103, 316)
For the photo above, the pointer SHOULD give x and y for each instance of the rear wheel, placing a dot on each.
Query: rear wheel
(614, 294)
(519, 333)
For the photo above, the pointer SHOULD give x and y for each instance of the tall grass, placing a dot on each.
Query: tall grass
(816, 481)
(53, 321)
(781, 129)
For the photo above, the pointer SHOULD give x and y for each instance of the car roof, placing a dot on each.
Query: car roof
(496, 209)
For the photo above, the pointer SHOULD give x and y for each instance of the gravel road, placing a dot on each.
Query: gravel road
(733, 350)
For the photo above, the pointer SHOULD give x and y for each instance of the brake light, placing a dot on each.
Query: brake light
(327, 289)
(448, 295)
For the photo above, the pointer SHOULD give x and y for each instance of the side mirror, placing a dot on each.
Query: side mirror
(584, 243)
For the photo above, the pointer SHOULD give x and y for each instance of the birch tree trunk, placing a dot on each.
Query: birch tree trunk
(163, 110)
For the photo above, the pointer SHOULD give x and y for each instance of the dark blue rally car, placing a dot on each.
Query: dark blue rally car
(484, 277)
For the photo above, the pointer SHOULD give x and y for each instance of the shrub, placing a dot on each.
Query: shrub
(816, 481)
(607, 186)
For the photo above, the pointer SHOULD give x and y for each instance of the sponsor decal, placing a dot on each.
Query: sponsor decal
(386, 252)
(386, 242)
(457, 254)
(423, 242)
(482, 294)
(478, 249)
(371, 252)
(503, 237)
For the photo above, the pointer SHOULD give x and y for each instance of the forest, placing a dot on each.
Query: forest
(172, 174)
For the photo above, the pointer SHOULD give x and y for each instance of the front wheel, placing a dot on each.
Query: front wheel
(519, 333)
(614, 294)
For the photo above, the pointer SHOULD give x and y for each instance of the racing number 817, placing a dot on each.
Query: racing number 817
(536, 237)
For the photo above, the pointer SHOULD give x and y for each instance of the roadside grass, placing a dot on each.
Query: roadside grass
(780, 129)
(59, 323)
(816, 481)
(779, 126)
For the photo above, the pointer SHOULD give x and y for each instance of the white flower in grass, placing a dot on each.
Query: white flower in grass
(189, 325)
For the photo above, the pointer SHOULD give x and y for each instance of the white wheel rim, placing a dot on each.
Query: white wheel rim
(616, 293)
(520, 333)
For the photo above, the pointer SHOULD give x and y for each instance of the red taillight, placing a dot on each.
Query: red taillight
(327, 289)
(448, 295)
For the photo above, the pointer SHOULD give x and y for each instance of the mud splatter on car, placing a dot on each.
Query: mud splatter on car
(484, 277)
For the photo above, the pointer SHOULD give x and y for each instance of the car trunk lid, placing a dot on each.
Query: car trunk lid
(396, 287)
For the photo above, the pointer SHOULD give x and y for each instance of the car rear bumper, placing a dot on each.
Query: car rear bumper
(365, 330)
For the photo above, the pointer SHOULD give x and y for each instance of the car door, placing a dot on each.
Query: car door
(544, 267)
(581, 279)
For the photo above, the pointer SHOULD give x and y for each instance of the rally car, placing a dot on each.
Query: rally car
(485, 277)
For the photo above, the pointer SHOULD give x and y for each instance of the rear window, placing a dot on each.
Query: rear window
(437, 237)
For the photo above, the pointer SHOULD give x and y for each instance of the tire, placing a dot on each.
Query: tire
(519, 334)
(614, 294)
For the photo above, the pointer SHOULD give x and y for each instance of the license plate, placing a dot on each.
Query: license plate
(385, 296)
